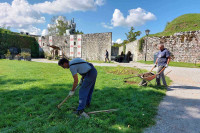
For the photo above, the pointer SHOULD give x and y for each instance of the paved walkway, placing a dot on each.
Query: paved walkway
(179, 111)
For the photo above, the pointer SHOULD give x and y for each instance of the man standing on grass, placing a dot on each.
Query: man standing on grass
(88, 73)
(163, 59)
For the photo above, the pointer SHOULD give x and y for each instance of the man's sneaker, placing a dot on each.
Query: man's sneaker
(84, 115)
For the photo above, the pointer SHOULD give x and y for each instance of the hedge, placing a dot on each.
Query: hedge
(18, 41)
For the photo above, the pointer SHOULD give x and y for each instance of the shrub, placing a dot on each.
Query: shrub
(8, 55)
(26, 56)
(49, 57)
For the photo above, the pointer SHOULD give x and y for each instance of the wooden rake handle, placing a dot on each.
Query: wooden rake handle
(67, 97)
(63, 101)
(110, 110)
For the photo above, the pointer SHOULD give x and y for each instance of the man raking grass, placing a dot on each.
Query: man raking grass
(89, 75)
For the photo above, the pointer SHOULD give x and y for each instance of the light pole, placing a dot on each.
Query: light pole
(147, 33)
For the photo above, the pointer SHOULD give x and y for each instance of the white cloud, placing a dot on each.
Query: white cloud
(107, 26)
(44, 32)
(67, 6)
(19, 14)
(119, 41)
(136, 17)
(23, 16)
(31, 30)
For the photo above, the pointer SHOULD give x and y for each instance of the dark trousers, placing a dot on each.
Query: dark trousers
(106, 58)
(87, 87)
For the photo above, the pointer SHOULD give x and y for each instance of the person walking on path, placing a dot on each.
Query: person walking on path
(106, 56)
(163, 59)
(89, 75)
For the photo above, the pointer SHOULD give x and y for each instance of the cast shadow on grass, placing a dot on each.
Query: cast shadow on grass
(38, 106)
(4, 81)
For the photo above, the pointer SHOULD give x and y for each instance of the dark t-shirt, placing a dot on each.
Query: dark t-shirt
(106, 53)
(162, 57)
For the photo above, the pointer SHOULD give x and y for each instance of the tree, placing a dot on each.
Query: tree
(78, 32)
(58, 25)
(132, 36)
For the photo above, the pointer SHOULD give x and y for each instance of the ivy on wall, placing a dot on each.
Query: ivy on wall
(8, 40)
(141, 44)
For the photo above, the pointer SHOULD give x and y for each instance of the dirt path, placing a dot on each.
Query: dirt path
(179, 111)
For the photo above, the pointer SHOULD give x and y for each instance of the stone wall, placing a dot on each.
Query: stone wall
(94, 46)
(133, 48)
(184, 46)
(120, 50)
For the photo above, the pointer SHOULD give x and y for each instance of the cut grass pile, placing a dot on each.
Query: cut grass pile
(176, 64)
(31, 91)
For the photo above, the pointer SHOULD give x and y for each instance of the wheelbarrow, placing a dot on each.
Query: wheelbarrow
(147, 77)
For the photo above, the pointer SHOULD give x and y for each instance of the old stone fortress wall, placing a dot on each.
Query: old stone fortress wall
(85, 46)
(185, 47)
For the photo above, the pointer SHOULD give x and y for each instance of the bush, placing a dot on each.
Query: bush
(49, 57)
(18, 57)
(8, 55)
(26, 56)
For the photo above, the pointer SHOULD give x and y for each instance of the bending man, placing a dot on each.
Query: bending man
(88, 73)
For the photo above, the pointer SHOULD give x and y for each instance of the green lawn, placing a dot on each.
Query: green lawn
(176, 64)
(31, 91)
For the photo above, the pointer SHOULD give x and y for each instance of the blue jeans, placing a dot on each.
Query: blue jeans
(87, 87)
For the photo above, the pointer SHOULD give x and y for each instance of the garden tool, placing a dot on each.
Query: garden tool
(67, 98)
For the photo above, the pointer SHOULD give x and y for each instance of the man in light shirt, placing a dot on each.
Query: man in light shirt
(88, 73)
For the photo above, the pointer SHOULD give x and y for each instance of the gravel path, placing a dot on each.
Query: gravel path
(179, 111)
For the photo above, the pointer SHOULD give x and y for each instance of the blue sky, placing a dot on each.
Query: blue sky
(94, 16)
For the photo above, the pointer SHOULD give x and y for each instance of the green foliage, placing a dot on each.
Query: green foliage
(186, 22)
(58, 25)
(78, 32)
(25, 55)
(141, 44)
(117, 45)
(125, 42)
(61, 26)
(7, 54)
(31, 91)
(10, 39)
(132, 36)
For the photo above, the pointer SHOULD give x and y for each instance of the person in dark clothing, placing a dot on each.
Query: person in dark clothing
(107, 56)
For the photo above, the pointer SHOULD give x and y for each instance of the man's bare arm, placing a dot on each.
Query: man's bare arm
(75, 82)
